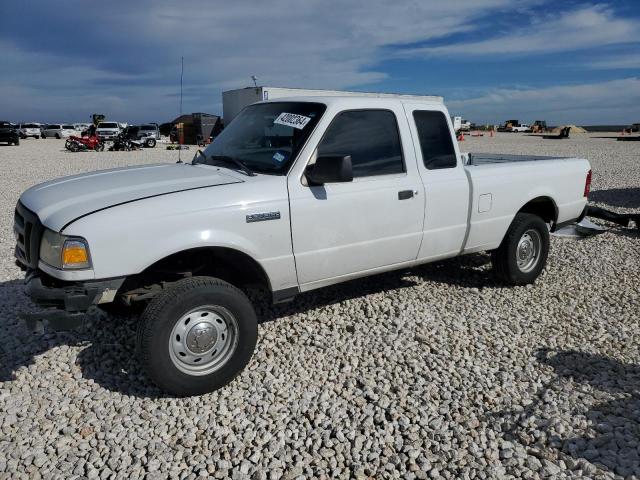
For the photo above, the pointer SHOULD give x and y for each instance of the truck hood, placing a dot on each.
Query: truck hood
(61, 201)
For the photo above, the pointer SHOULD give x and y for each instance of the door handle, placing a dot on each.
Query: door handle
(405, 194)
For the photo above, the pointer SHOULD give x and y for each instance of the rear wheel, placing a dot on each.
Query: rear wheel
(58, 136)
(196, 336)
(523, 252)
(151, 142)
(74, 147)
(99, 147)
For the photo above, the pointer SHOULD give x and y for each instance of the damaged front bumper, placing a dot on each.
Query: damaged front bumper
(64, 303)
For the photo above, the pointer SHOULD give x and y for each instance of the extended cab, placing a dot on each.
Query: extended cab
(295, 194)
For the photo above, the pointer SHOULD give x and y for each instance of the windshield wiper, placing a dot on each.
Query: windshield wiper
(235, 161)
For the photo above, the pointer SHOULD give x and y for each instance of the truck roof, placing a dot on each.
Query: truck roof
(374, 98)
(288, 93)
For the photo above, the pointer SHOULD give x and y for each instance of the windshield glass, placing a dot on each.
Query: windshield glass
(68, 127)
(147, 127)
(265, 137)
(108, 125)
(29, 125)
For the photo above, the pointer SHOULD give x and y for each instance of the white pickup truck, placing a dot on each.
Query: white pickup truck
(295, 194)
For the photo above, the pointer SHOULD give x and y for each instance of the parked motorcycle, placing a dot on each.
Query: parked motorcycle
(124, 142)
(76, 144)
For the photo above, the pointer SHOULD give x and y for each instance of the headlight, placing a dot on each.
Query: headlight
(60, 251)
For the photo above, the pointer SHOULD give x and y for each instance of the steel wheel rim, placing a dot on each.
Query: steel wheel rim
(203, 340)
(528, 250)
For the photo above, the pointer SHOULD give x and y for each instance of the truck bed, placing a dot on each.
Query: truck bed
(491, 158)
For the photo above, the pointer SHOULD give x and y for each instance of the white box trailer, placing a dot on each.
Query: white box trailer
(235, 100)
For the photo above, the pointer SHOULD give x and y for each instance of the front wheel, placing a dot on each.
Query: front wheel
(523, 252)
(99, 147)
(196, 336)
(151, 142)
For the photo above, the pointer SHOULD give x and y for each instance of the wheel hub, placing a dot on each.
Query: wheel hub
(528, 250)
(201, 337)
(203, 340)
(525, 251)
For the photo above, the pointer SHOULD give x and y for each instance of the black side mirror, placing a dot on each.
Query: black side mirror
(330, 169)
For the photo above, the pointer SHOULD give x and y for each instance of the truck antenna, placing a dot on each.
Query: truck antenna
(180, 115)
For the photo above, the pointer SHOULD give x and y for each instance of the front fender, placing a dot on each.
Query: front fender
(126, 239)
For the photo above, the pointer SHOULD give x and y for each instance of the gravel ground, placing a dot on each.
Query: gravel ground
(437, 372)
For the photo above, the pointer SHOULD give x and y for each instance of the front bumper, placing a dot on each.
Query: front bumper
(65, 303)
(106, 135)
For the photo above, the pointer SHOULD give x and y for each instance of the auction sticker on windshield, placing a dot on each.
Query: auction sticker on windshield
(292, 120)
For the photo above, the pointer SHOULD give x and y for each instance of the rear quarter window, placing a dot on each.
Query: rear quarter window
(436, 144)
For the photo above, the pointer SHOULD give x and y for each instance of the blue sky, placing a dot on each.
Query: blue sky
(565, 62)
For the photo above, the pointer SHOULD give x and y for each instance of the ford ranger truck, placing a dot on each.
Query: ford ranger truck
(294, 195)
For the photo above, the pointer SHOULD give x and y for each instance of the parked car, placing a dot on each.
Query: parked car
(523, 127)
(108, 130)
(27, 130)
(59, 130)
(9, 133)
(81, 127)
(296, 194)
(149, 134)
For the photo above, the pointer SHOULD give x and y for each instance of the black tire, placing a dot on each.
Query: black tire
(99, 147)
(17, 142)
(58, 136)
(151, 143)
(74, 147)
(505, 258)
(165, 313)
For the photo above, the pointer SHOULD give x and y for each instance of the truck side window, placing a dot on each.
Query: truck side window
(371, 138)
(435, 139)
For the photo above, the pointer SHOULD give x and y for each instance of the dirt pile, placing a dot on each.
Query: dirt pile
(574, 129)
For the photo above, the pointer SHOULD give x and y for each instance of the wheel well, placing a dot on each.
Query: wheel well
(232, 266)
(544, 207)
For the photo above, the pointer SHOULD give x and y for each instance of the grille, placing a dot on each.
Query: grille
(28, 231)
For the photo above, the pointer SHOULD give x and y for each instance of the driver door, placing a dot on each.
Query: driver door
(341, 230)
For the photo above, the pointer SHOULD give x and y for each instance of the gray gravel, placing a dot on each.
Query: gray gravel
(432, 373)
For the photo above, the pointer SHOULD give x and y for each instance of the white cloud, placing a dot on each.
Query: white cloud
(132, 54)
(614, 62)
(610, 102)
(582, 28)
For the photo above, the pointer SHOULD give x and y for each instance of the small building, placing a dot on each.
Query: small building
(195, 125)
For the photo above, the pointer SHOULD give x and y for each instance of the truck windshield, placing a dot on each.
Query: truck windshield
(108, 125)
(265, 137)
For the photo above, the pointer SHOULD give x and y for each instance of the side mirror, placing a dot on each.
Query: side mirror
(330, 169)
